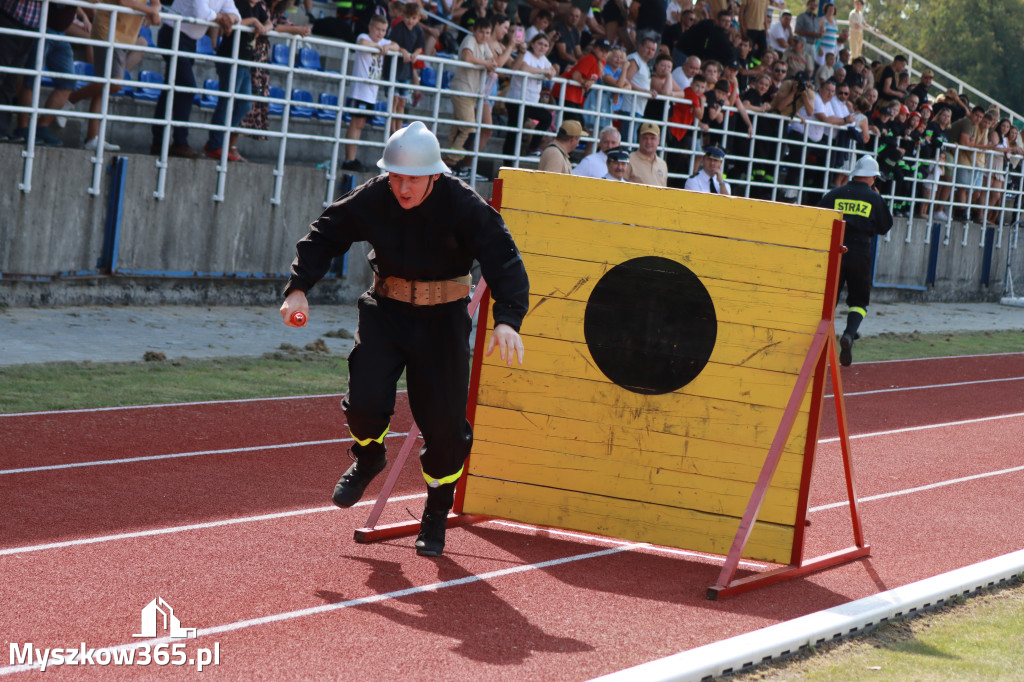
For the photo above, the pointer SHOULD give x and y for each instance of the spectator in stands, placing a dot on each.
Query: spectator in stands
(963, 133)
(671, 39)
(555, 157)
(888, 88)
(829, 30)
(534, 61)
(778, 73)
(709, 179)
(684, 116)
(662, 86)
(807, 25)
(921, 87)
(684, 74)
(753, 23)
(857, 27)
(503, 45)
(411, 40)
(254, 15)
(224, 14)
(614, 76)
(617, 165)
(258, 117)
(648, 19)
(367, 66)
(475, 50)
(583, 74)
(567, 46)
(826, 70)
(58, 57)
(780, 32)
(639, 76)
(126, 32)
(645, 166)
(798, 60)
(710, 39)
(615, 14)
(476, 10)
(22, 15)
(596, 165)
(540, 24)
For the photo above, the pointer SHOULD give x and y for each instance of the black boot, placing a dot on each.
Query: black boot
(430, 541)
(846, 349)
(369, 461)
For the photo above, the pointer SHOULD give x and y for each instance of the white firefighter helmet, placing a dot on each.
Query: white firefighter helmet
(866, 167)
(413, 150)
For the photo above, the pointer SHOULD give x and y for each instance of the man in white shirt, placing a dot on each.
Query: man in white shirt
(710, 179)
(596, 165)
(617, 165)
(780, 32)
(683, 75)
(224, 13)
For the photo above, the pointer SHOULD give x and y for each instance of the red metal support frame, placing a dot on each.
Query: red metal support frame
(822, 354)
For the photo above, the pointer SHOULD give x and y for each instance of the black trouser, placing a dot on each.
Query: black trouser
(543, 117)
(12, 54)
(181, 106)
(434, 352)
(855, 273)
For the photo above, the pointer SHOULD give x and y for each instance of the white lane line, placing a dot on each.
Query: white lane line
(176, 455)
(944, 357)
(85, 410)
(361, 601)
(921, 488)
(194, 526)
(898, 389)
(925, 427)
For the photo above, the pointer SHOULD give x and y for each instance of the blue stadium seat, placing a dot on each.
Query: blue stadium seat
(126, 90)
(446, 80)
(204, 45)
(279, 55)
(83, 69)
(146, 33)
(206, 100)
(328, 100)
(379, 121)
(428, 77)
(298, 110)
(276, 108)
(309, 59)
(151, 94)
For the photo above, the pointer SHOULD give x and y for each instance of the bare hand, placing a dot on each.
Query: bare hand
(507, 340)
(295, 302)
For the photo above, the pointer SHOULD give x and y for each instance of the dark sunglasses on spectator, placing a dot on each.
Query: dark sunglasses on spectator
(779, 70)
(843, 93)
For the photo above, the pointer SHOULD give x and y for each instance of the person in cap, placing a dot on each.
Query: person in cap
(617, 164)
(710, 179)
(555, 157)
(780, 32)
(867, 215)
(645, 166)
(426, 229)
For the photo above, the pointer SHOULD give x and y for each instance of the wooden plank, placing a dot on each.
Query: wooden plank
(735, 302)
(604, 242)
(625, 519)
(667, 209)
(630, 475)
(594, 401)
(558, 436)
(736, 344)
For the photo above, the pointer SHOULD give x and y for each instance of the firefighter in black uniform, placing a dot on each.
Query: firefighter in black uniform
(426, 228)
(866, 215)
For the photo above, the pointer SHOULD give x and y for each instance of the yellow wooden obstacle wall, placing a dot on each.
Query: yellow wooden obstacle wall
(559, 444)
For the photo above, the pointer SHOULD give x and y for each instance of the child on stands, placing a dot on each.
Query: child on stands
(476, 50)
(408, 35)
(126, 32)
(254, 13)
(540, 24)
(367, 66)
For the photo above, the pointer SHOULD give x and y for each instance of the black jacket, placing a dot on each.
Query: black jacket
(865, 211)
(439, 239)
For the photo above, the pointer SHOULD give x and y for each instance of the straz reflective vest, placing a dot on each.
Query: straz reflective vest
(864, 210)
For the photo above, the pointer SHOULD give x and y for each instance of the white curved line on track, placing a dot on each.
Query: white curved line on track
(176, 455)
(897, 389)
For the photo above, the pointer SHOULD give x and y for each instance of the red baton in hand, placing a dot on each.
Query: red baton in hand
(298, 318)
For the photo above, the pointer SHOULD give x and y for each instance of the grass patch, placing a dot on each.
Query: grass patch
(980, 638)
(890, 346)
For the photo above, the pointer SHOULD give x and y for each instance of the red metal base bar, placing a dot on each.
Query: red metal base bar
(397, 530)
(758, 580)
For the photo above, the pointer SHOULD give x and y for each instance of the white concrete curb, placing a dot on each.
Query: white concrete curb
(742, 651)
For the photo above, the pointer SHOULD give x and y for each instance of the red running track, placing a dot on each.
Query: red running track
(225, 514)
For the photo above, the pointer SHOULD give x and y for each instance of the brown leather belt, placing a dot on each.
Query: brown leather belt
(418, 292)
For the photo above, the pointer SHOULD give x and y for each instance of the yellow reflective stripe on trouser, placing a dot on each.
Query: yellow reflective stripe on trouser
(860, 311)
(366, 441)
(437, 482)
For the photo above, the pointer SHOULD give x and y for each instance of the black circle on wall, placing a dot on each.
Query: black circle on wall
(650, 325)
